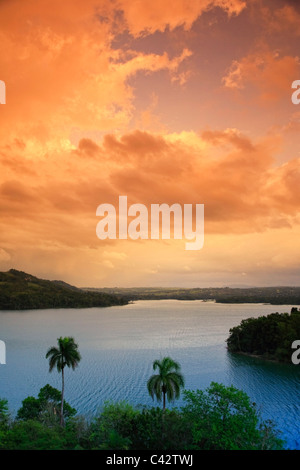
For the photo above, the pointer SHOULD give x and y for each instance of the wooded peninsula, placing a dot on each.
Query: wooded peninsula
(269, 337)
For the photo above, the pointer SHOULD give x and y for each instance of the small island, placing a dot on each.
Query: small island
(22, 291)
(268, 337)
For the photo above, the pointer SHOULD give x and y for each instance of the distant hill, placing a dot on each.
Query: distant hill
(20, 291)
(270, 295)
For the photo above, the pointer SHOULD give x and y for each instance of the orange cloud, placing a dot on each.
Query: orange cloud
(47, 218)
(267, 71)
(62, 71)
(281, 20)
(150, 168)
(78, 75)
(147, 17)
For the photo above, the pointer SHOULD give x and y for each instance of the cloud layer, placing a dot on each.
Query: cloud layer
(158, 101)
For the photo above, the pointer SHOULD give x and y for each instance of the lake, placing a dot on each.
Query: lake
(119, 344)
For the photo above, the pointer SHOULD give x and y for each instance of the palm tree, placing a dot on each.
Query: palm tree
(167, 382)
(66, 354)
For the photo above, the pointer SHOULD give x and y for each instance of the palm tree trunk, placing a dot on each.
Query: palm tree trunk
(163, 418)
(62, 398)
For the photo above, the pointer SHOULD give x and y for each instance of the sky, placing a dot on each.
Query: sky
(168, 101)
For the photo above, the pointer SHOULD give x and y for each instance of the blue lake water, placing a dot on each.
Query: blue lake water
(119, 344)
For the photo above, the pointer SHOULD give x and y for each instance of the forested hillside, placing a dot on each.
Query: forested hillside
(20, 291)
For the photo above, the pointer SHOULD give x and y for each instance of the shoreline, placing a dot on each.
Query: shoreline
(257, 356)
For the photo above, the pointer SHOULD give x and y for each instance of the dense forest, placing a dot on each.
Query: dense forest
(269, 336)
(20, 291)
(269, 295)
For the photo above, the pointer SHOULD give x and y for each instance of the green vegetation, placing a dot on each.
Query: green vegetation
(167, 382)
(46, 408)
(66, 354)
(269, 337)
(20, 291)
(218, 418)
(270, 295)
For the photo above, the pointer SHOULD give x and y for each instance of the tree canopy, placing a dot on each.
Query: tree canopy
(269, 336)
(167, 382)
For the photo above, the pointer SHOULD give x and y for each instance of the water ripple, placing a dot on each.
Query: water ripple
(119, 344)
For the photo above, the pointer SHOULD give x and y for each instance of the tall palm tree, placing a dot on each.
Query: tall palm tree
(66, 354)
(167, 382)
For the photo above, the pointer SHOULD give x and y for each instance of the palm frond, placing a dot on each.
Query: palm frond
(169, 379)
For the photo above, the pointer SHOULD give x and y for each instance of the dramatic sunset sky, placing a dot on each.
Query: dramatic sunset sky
(165, 101)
